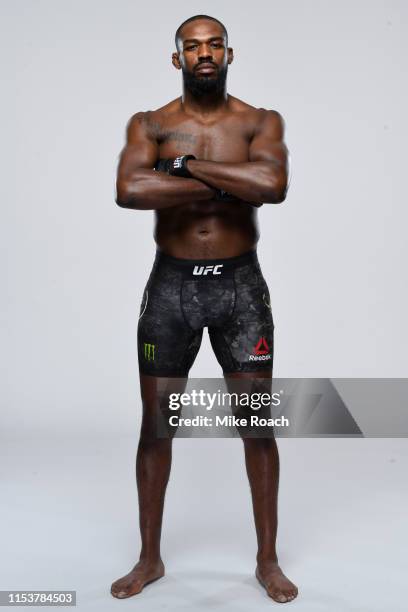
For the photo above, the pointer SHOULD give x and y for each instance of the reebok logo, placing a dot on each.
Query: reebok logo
(149, 351)
(204, 270)
(177, 162)
(260, 351)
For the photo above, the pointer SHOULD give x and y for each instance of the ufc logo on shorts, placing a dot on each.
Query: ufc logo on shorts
(204, 270)
(177, 162)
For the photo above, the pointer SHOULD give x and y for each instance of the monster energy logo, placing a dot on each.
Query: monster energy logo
(149, 351)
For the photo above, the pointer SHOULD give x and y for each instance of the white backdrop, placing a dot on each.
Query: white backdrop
(74, 264)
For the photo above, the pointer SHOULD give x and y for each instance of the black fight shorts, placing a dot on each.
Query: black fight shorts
(182, 296)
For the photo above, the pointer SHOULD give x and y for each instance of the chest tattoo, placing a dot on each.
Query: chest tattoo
(164, 135)
(178, 136)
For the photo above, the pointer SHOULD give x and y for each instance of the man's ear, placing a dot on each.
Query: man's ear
(230, 52)
(175, 60)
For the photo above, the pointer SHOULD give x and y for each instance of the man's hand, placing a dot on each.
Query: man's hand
(224, 196)
(175, 167)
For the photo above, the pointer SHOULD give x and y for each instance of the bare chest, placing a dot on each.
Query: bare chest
(224, 140)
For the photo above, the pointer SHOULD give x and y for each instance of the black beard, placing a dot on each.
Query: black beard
(202, 85)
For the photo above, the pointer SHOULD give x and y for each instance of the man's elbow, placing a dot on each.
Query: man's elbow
(125, 202)
(280, 195)
(127, 196)
(120, 201)
(121, 193)
(276, 192)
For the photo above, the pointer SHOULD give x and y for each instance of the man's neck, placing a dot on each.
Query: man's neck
(204, 105)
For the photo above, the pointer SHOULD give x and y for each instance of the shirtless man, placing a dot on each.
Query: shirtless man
(206, 219)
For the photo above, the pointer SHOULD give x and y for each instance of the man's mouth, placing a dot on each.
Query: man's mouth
(205, 68)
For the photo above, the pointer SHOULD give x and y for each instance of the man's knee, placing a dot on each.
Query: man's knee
(150, 442)
(259, 444)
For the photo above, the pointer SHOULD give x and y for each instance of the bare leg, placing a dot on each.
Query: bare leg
(153, 466)
(262, 464)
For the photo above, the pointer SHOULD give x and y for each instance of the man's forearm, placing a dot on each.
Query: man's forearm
(147, 189)
(257, 181)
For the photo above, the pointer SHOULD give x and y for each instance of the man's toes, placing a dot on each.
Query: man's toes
(276, 595)
(125, 590)
(290, 595)
(294, 593)
(282, 596)
(119, 591)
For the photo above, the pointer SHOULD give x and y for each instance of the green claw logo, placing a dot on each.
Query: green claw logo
(149, 351)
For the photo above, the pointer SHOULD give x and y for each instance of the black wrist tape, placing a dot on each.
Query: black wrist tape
(178, 166)
(163, 165)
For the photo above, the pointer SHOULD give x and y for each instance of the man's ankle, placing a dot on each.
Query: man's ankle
(265, 557)
(151, 558)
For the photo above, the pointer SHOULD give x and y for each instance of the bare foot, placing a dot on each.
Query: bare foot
(280, 588)
(143, 573)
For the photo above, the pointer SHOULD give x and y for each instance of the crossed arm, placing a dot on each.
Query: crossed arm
(263, 179)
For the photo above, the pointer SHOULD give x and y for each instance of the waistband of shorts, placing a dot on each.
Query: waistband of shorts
(227, 263)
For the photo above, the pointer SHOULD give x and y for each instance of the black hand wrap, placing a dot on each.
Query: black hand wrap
(162, 165)
(175, 167)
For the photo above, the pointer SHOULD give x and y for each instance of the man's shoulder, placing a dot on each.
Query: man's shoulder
(259, 115)
(155, 114)
(271, 121)
(150, 121)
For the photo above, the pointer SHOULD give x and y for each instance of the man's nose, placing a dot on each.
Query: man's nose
(204, 52)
